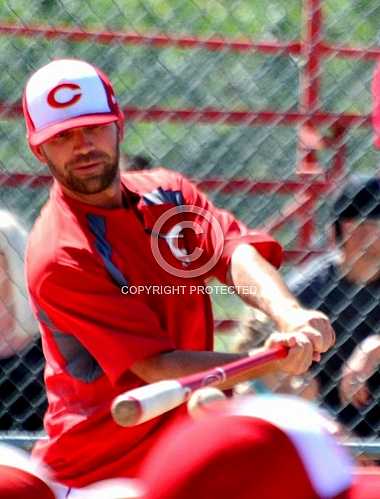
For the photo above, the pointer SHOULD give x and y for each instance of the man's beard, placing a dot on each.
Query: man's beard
(92, 184)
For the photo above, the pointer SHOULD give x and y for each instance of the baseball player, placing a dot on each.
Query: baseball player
(116, 270)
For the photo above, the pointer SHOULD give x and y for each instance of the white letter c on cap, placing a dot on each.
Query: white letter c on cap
(51, 98)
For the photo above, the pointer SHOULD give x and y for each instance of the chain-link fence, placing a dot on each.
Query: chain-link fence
(266, 105)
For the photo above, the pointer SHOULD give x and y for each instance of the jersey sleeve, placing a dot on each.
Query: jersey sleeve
(221, 233)
(82, 306)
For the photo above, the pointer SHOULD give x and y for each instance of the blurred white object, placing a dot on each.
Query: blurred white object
(117, 488)
(199, 402)
(18, 327)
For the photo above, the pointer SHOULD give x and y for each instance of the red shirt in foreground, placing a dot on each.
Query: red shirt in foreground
(90, 274)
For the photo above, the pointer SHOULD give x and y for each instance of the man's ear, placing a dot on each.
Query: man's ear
(120, 129)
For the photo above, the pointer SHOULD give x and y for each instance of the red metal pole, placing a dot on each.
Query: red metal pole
(337, 171)
(310, 79)
(155, 40)
(335, 175)
(33, 181)
(309, 101)
(273, 47)
(307, 228)
(311, 51)
(289, 213)
(221, 116)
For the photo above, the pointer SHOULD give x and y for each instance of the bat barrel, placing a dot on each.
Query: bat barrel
(126, 411)
(146, 402)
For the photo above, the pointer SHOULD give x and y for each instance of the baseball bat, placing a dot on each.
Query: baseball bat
(146, 402)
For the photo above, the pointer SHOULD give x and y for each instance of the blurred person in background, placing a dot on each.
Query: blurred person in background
(23, 399)
(345, 285)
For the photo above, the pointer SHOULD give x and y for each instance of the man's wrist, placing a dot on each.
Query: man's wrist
(283, 315)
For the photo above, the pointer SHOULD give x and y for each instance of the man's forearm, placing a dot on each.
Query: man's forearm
(178, 363)
(249, 270)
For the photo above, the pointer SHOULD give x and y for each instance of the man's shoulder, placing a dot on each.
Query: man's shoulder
(147, 181)
(57, 224)
(317, 273)
(55, 237)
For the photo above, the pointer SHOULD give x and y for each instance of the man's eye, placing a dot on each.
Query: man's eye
(62, 135)
(95, 128)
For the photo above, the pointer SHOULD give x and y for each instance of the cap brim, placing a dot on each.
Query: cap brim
(366, 484)
(38, 138)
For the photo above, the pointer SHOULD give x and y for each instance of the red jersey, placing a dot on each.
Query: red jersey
(90, 274)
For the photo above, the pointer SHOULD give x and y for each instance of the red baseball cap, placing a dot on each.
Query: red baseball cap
(256, 449)
(376, 105)
(65, 94)
(19, 476)
(19, 484)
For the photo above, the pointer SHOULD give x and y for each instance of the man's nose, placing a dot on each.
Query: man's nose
(82, 140)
